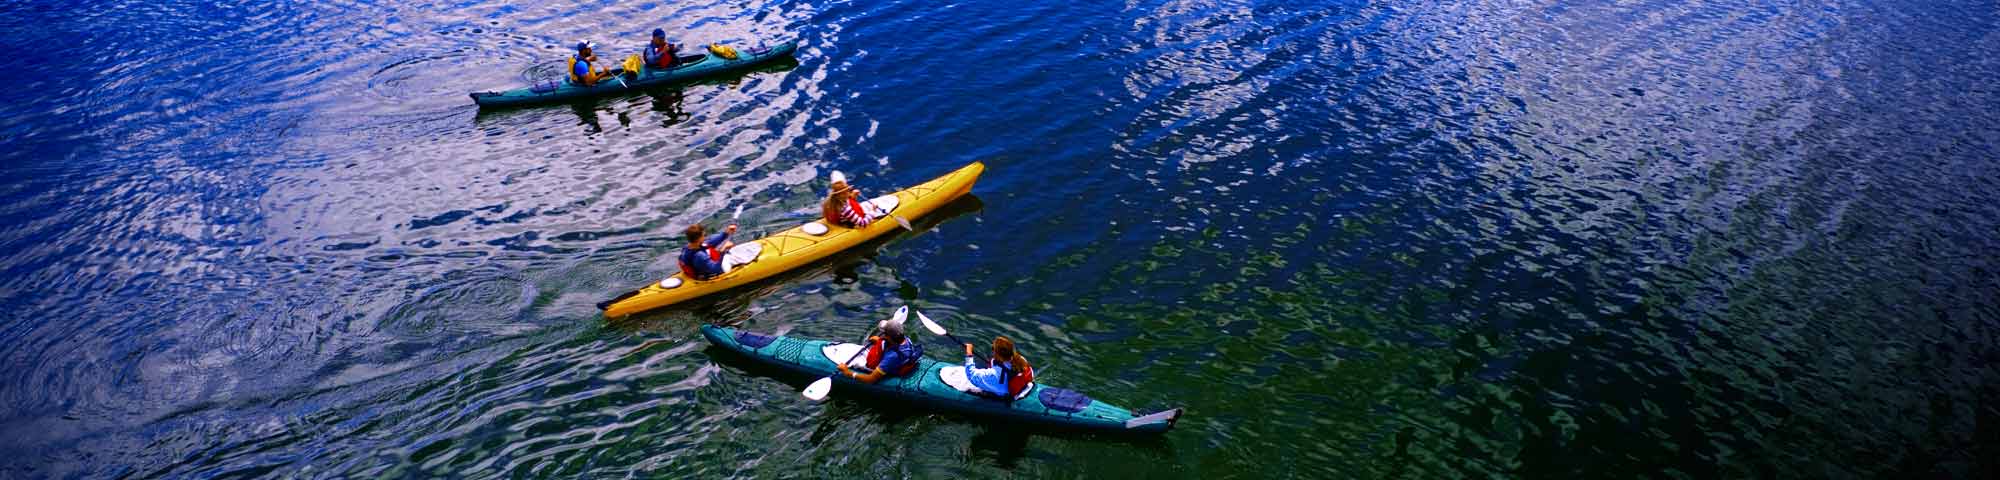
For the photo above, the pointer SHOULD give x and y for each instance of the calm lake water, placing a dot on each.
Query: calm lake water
(1399, 239)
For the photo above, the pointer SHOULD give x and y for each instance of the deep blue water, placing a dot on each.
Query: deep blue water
(1400, 239)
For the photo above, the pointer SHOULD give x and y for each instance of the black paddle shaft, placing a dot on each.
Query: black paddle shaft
(955, 341)
(857, 353)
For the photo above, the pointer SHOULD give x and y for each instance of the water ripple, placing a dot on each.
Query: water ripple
(1383, 239)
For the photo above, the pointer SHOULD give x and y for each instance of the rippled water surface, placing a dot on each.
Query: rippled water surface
(1401, 239)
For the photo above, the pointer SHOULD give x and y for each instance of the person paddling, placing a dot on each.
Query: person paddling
(702, 258)
(660, 54)
(890, 355)
(1007, 374)
(841, 206)
(583, 67)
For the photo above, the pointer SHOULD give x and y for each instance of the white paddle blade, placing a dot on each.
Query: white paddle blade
(739, 212)
(930, 325)
(818, 390)
(902, 313)
(1165, 416)
(904, 223)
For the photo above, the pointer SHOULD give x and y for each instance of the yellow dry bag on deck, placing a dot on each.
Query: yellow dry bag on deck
(724, 51)
(632, 64)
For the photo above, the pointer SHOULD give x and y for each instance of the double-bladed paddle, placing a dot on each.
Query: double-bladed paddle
(939, 330)
(935, 328)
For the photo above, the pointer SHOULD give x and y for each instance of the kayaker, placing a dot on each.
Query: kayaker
(891, 354)
(841, 206)
(702, 258)
(1007, 374)
(661, 54)
(582, 67)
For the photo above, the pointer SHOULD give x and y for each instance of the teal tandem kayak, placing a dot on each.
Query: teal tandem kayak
(941, 386)
(691, 67)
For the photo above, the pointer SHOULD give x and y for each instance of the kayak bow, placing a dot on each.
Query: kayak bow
(798, 246)
(942, 386)
(691, 67)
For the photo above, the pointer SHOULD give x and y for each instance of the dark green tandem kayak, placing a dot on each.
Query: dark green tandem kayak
(691, 67)
(933, 386)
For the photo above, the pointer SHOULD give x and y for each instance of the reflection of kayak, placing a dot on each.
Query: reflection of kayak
(692, 66)
(940, 385)
(798, 246)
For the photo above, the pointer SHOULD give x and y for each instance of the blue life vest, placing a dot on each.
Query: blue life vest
(703, 262)
(578, 68)
(899, 360)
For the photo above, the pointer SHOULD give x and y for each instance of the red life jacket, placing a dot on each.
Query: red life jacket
(1021, 380)
(874, 352)
(875, 358)
(668, 56)
(854, 214)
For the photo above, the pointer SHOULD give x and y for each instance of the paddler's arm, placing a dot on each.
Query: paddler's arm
(597, 73)
(721, 239)
(871, 377)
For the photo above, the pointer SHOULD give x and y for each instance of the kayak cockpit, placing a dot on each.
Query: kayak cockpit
(954, 375)
(838, 352)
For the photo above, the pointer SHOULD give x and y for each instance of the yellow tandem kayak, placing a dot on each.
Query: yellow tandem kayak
(799, 246)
